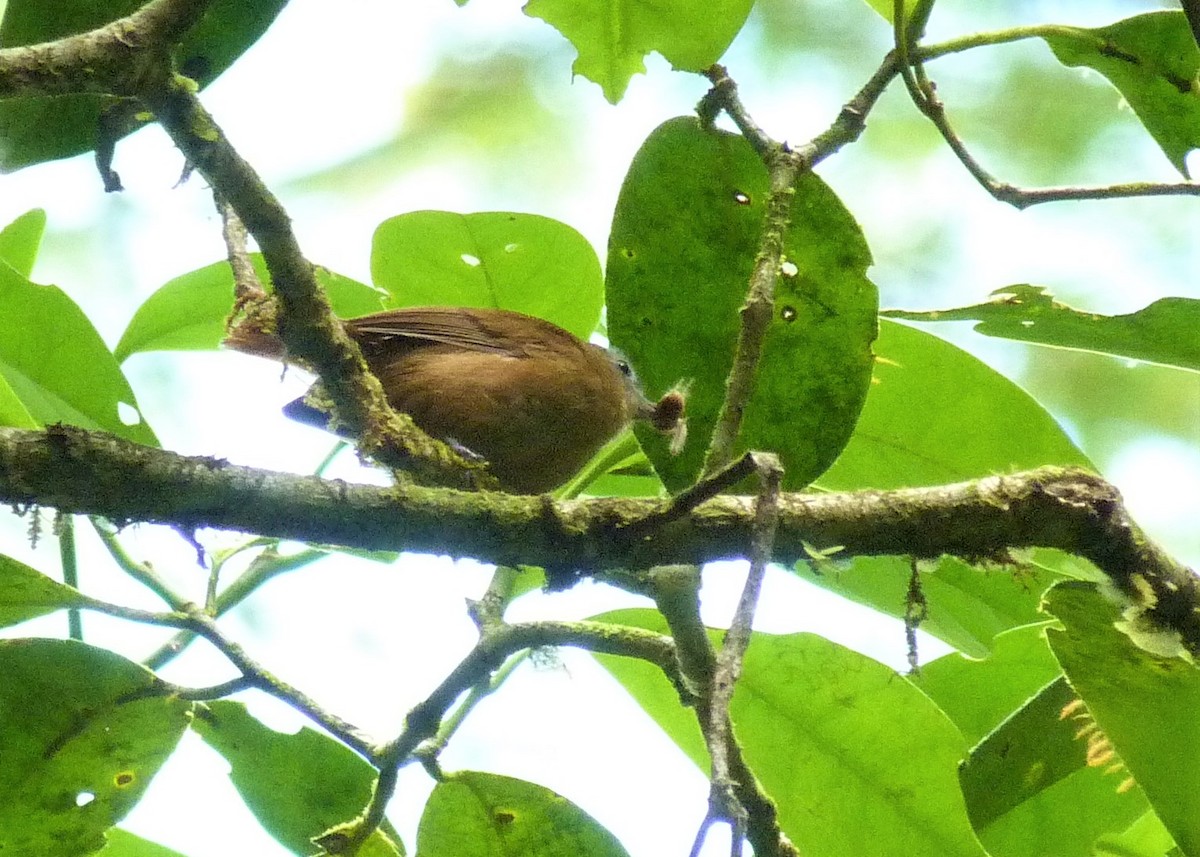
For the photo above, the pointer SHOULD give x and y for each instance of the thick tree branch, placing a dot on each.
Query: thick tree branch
(112, 60)
(94, 473)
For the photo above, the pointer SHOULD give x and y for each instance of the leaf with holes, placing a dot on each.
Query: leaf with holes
(474, 814)
(83, 732)
(520, 262)
(684, 239)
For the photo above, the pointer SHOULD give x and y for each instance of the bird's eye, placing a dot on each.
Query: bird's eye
(625, 368)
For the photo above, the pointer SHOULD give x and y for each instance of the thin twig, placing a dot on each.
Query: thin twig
(489, 655)
(347, 733)
(784, 168)
(64, 528)
(246, 284)
(737, 640)
(142, 572)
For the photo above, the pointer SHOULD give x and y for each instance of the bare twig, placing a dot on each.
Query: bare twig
(784, 168)
(259, 677)
(246, 285)
(495, 647)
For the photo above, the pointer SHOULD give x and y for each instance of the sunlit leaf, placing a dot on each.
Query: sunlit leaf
(56, 364)
(190, 312)
(20, 240)
(26, 593)
(475, 814)
(1030, 791)
(1164, 332)
(967, 605)
(613, 38)
(936, 414)
(520, 262)
(827, 731)
(1153, 60)
(1145, 704)
(298, 786)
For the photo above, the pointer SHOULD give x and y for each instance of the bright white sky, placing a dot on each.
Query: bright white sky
(325, 68)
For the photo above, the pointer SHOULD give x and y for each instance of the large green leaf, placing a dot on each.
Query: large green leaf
(474, 814)
(1153, 60)
(189, 312)
(936, 414)
(683, 243)
(122, 843)
(81, 741)
(26, 593)
(979, 694)
(1164, 332)
(967, 605)
(43, 128)
(20, 240)
(57, 365)
(613, 37)
(1145, 703)
(522, 262)
(830, 734)
(298, 786)
(1030, 791)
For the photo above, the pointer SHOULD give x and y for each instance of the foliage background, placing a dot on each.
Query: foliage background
(355, 112)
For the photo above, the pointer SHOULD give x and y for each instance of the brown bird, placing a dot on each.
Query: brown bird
(529, 397)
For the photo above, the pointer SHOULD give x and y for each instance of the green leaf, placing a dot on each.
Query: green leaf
(1154, 62)
(1164, 332)
(26, 593)
(13, 412)
(978, 694)
(122, 843)
(298, 786)
(58, 366)
(520, 262)
(968, 605)
(44, 128)
(936, 414)
(1146, 704)
(1146, 837)
(887, 8)
(20, 240)
(1030, 791)
(675, 284)
(474, 814)
(189, 312)
(612, 38)
(821, 726)
(82, 738)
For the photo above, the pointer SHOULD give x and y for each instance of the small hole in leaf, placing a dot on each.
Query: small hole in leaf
(789, 269)
(473, 261)
(511, 248)
(1026, 323)
(84, 798)
(128, 414)
(788, 313)
(741, 198)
